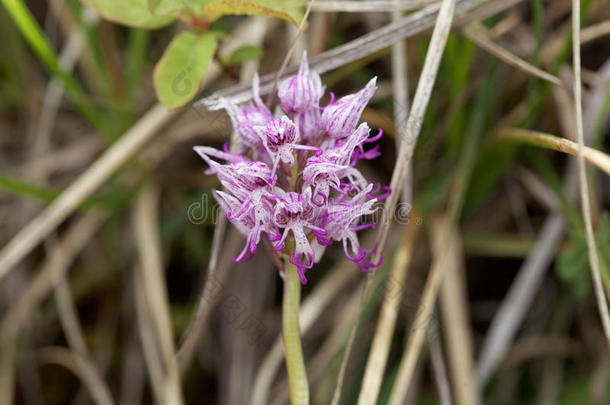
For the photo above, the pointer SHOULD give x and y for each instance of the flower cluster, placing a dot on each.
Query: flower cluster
(299, 187)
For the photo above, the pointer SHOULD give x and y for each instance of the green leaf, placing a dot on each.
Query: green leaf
(182, 66)
(134, 13)
(47, 194)
(288, 10)
(23, 189)
(164, 7)
(33, 34)
(246, 53)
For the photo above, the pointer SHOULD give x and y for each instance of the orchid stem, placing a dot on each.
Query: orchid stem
(291, 331)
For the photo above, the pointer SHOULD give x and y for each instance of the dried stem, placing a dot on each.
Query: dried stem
(480, 35)
(289, 54)
(347, 6)
(365, 45)
(64, 205)
(456, 328)
(380, 348)
(407, 146)
(153, 284)
(100, 393)
(416, 115)
(443, 231)
(593, 156)
(582, 174)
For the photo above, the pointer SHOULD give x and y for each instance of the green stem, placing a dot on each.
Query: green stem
(291, 332)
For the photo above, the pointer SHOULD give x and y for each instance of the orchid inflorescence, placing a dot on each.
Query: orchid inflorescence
(300, 183)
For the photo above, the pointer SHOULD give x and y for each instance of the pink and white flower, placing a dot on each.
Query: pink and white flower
(300, 189)
(249, 116)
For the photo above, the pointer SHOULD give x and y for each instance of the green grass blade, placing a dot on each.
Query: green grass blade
(34, 35)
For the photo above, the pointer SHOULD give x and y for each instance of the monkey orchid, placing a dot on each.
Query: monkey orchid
(296, 185)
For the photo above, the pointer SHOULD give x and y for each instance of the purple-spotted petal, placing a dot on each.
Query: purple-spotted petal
(246, 118)
(340, 118)
(301, 91)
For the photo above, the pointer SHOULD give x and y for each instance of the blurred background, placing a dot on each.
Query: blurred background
(114, 256)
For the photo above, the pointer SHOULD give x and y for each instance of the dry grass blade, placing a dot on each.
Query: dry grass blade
(407, 146)
(602, 303)
(68, 317)
(150, 348)
(71, 244)
(531, 347)
(480, 35)
(7, 371)
(439, 367)
(551, 379)
(365, 45)
(400, 89)
(69, 200)
(594, 31)
(216, 274)
(458, 336)
(364, 6)
(266, 373)
(378, 355)
(153, 285)
(593, 156)
(55, 91)
(82, 369)
(348, 349)
(288, 56)
(416, 114)
(81, 150)
(133, 370)
(53, 270)
(518, 299)
(443, 235)
(487, 9)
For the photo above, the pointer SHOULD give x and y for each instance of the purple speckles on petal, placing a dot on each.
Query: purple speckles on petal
(302, 91)
(340, 118)
(245, 118)
(296, 183)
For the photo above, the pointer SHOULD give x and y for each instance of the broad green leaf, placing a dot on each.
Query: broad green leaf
(163, 7)
(288, 10)
(245, 53)
(134, 13)
(182, 66)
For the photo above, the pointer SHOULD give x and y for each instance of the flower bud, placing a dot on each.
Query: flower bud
(340, 118)
(301, 91)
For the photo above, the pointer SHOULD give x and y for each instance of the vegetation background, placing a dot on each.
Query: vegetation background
(116, 279)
